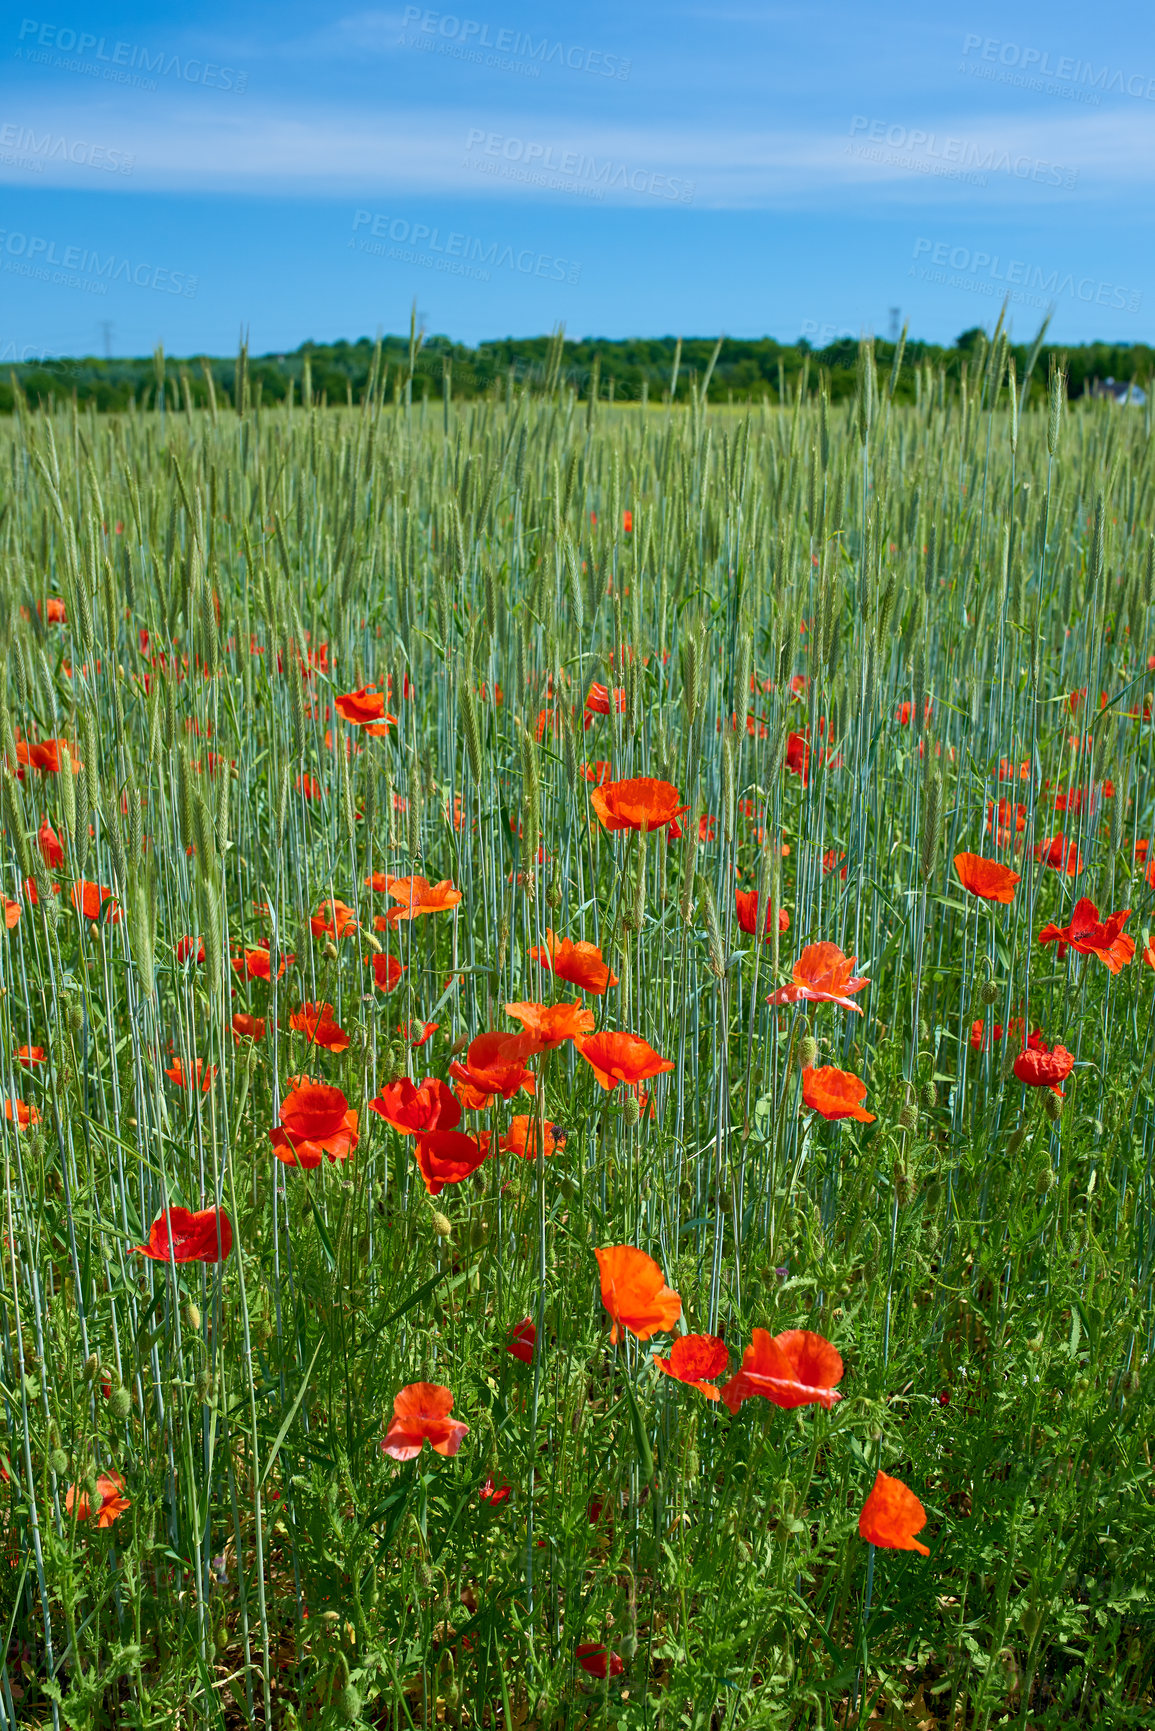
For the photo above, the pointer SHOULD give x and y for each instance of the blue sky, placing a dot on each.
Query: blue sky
(175, 173)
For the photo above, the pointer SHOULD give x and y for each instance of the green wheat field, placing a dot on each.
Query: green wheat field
(314, 732)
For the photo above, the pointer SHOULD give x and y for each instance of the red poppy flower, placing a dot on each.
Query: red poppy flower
(579, 964)
(891, 1516)
(797, 1368)
(822, 975)
(88, 898)
(111, 1500)
(448, 1156)
(316, 1021)
(1060, 855)
(1012, 820)
(365, 708)
(418, 896)
(493, 1493)
(45, 755)
(54, 613)
(20, 1114)
(641, 803)
(248, 1027)
(256, 964)
(1013, 1029)
(693, 1358)
(635, 1293)
(746, 904)
(830, 859)
(417, 1037)
(416, 1111)
(552, 1024)
(308, 786)
(597, 771)
(985, 877)
(387, 972)
(186, 946)
(598, 1661)
(334, 918)
(615, 1058)
(51, 846)
(1041, 1066)
(180, 1235)
(522, 1137)
(203, 1074)
(1091, 936)
(30, 1055)
(316, 1120)
(11, 913)
(522, 1342)
(835, 1094)
(628, 522)
(598, 700)
(494, 1064)
(798, 756)
(421, 1415)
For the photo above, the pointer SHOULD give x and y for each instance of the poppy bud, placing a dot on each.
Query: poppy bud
(631, 1111)
(929, 1095)
(1016, 1139)
(120, 1403)
(191, 1316)
(553, 896)
(442, 1225)
(477, 1233)
(204, 1385)
(75, 1017)
(330, 950)
(91, 1488)
(58, 1461)
(988, 992)
(908, 1115)
(349, 1705)
(1045, 1181)
(1053, 1106)
(807, 1052)
(92, 1367)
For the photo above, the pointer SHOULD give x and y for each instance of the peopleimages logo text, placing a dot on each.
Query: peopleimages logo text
(34, 255)
(1017, 275)
(1038, 63)
(473, 33)
(456, 253)
(118, 60)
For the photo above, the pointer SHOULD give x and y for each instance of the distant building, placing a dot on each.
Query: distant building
(1122, 391)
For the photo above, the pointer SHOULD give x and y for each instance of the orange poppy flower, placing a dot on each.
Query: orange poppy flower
(51, 846)
(203, 1074)
(635, 1293)
(641, 803)
(421, 1415)
(248, 1027)
(494, 1064)
(334, 918)
(387, 972)
(1041, 1066)
(1091, 936)
(365, 708)
(416, 1111)
(891, 1516)
(88, 898)
(30, 1055)
(598, 771)
(316, 1021)
(45, 756)
(54, 613)
(21, 1115)
(577, 964)
(180, 1235)
(615, 1058)
(797, 1368)
(186, 947)
(112, 1502)
(521, 1137)
(835, 1094)
(552, 1024)
(418, 896)
(309, 786)
(598, 700)
(985, 877)
(256, 964)
(447, 1156)
(11, 913)
(1060, 855)
(316, 1120)
(822, 975)
(598, 1661)
(693, 1358)
(746, 905)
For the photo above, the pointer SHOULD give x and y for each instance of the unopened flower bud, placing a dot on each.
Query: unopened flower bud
(807, 1052)
(989, 992)
(631, 1110)
(204, 1385)
(330, 950)
(929, 1095)
(1016, 1139)
(58, 1461)
(92, 1367)
(1053, 1106)
(908, 1115)
(442, 1224)
(191, 1316)
(120, 1403)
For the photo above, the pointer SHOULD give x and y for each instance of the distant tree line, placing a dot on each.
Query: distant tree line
(623, 370)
